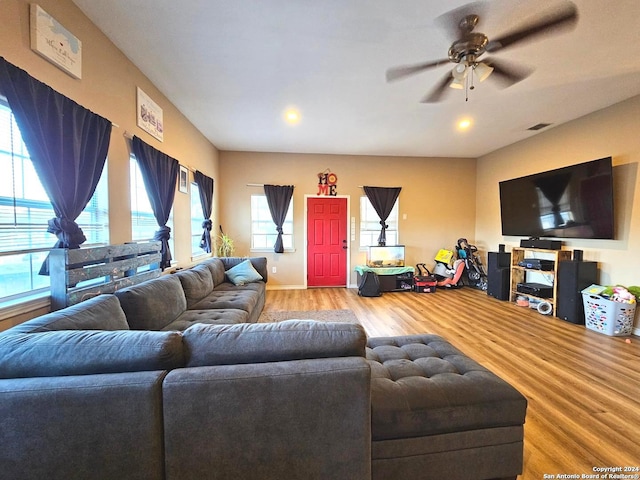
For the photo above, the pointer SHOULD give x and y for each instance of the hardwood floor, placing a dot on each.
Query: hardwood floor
(583, 387)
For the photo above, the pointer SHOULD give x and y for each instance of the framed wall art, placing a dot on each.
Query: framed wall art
(55, 43)
(149, 115)
(183, 179)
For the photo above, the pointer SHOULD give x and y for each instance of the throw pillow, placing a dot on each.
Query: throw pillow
(243, 273)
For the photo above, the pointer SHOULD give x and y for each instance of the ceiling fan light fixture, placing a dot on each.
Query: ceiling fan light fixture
(457, 84)
(482, 71)
(460, 72)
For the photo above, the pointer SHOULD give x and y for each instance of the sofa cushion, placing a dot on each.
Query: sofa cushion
(271, 342)
(98, 313)
(222, 316)
(238, 298)
(243, 273)
(83, 352)
(197, 283)
(216, 267)
(258, 287)
(154, 304)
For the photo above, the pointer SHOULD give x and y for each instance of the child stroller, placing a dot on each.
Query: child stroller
(474, 273)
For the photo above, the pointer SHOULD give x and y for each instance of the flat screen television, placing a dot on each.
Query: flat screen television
(568, 202)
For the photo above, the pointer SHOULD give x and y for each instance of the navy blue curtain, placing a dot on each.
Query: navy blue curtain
(205, 187)
(68, 146)
(160, 174)
(383, 199)
(278, 199)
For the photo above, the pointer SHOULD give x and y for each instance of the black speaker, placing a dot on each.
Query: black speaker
(573, 277)
(498, 275)
(499, 259)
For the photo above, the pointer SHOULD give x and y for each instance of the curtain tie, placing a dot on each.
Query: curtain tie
(67, 231)
(279, 230)
(207, 224)
(163, 234)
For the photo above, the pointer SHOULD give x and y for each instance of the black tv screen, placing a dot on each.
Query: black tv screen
(569, 202)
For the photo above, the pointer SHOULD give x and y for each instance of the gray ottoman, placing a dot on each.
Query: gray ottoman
(438, 414)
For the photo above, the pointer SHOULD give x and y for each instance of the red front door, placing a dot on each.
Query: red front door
(327, 242)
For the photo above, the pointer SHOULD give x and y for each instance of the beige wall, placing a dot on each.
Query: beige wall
(108, 88)
(437, 197)
(615, 132)
(443, 199)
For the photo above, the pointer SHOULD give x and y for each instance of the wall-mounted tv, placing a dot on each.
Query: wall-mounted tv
(568, 202)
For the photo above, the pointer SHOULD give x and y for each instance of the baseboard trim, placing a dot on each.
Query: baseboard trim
(298, 287)
(286, 287)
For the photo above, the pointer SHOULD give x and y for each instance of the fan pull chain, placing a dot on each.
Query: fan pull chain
(466, 89)
(469, 83)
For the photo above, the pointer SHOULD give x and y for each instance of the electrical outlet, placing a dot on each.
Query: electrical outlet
(273, 269)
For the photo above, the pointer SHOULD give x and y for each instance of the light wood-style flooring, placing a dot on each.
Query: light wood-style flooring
(583, 387)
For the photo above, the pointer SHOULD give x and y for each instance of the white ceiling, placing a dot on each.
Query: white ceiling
(233, 66)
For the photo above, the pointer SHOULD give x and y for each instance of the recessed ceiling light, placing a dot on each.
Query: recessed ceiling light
(292, 116)
(464, 124)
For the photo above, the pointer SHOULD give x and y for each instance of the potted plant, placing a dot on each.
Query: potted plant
(224, 244)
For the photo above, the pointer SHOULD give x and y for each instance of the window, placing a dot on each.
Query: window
(263, 230)
(25, 210)
(370, 224)
(196, 221)
(143, 222)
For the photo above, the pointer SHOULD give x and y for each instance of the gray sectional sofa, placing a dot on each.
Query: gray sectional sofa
(202, 294)
(170, 379)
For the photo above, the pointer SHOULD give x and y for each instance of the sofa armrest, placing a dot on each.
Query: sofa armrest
(299, 420)
(271, 342)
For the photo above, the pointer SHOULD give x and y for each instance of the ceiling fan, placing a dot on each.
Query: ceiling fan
(470, 45)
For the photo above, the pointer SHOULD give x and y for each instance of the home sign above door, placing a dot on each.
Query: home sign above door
(327, 183)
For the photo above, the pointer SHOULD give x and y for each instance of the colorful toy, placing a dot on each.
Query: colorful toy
(621, 294)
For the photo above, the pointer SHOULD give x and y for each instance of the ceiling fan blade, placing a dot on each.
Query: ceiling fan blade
(565, 17)
(397, 73)
(435, 94)
(508, 75)
(450, 21)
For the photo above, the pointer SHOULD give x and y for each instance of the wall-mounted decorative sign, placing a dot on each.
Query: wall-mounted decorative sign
(55, 43)
(149, 115)
(327, 183)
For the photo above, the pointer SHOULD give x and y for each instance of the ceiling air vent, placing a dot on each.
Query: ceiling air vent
(539, 126)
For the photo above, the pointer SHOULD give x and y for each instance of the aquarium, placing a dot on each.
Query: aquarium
(388, 256)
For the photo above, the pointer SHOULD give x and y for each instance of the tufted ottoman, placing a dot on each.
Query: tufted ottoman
(438, 414)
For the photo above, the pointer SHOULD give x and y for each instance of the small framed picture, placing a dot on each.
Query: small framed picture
(183, 179)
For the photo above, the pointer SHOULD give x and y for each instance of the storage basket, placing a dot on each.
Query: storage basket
(606, 316)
